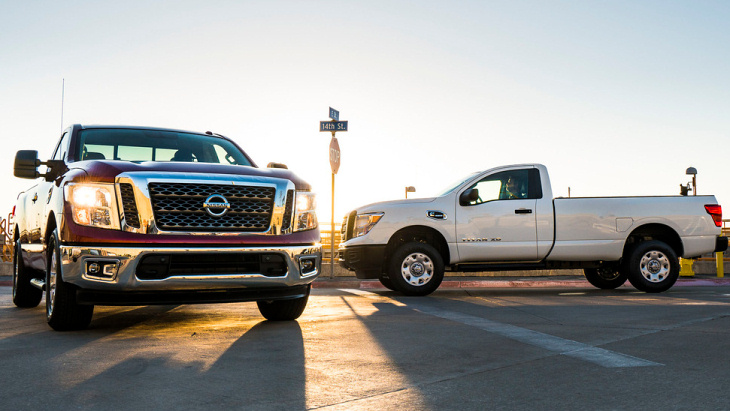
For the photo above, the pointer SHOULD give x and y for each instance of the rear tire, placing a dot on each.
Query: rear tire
(652, 266)
(25, 295)
(416, 269)
(283, 310)
(63, 313)
(605, 277)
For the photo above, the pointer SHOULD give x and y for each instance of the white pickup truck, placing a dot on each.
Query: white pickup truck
(505, 218)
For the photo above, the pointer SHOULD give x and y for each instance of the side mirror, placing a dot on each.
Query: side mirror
(277, 165)
(469, 196)
(26, 164)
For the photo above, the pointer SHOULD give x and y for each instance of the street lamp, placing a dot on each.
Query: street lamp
(410, 189)
(693, 172)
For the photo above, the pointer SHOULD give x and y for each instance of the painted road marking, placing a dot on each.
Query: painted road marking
(570, 348)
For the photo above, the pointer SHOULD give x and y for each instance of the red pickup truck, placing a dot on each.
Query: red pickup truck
(140, 215)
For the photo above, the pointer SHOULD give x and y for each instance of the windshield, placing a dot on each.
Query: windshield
(156, 145)
(451, 187)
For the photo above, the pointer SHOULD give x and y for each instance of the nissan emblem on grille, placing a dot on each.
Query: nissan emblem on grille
(216, 205)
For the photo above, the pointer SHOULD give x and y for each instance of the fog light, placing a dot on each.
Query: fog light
(307, 266)
(94, 268)
(102, 270)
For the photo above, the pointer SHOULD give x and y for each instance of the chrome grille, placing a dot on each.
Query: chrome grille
(179, 207)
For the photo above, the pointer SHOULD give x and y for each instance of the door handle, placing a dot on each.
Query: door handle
(35, 198)
(523, 211)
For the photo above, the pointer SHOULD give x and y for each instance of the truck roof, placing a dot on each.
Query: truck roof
(107, 126)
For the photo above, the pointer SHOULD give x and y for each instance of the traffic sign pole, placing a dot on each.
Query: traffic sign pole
(332, 238)
(332, 223)
(334, 125)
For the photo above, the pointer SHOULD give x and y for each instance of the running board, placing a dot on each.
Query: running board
(38, 283)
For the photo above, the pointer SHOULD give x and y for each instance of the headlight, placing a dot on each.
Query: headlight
(364, 223)
(93, 204)
(305, 217)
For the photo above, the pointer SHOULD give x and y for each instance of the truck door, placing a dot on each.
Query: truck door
(498, 222)
(45, 189)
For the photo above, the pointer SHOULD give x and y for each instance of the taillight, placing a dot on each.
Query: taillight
(13, 213)
(715, 211)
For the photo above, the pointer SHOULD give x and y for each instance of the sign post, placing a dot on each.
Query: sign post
(333, 126)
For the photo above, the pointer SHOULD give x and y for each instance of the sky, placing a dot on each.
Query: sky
(614, 97)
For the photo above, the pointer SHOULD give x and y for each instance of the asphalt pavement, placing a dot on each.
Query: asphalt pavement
(518, 348)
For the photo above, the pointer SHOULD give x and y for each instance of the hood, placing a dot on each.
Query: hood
(381, 206)
(107, 170)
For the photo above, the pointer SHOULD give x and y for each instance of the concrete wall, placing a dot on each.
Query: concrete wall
(710, 267)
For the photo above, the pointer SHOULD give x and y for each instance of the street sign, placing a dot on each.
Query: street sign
(333, 126)
(334, 155)
(334, 114)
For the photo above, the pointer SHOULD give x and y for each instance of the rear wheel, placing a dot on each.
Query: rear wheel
(25, 295)
(283, 310)
(416, 269)
(605, 277)
(652, 267)
(63, 313)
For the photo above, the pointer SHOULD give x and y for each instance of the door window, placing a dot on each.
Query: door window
(508, 185)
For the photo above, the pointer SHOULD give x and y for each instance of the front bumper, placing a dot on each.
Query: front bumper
(106, 271)
(366, 260)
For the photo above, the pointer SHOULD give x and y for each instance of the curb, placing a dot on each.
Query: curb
(464, 284)
(471, 283)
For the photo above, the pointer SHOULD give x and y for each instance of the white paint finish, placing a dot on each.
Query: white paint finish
(698, 245)
(624, 223)
(500, 234)
(585, 229)
(587, 250)
(595, 218)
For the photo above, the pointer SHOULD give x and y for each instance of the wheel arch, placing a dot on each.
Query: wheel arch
(417, 233)
(654, 231)
(50, 226)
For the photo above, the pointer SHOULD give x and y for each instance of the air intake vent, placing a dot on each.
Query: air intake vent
(288, 210)
(131, 217)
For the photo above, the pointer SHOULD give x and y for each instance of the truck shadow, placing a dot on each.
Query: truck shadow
(154, 357)
(263, 369)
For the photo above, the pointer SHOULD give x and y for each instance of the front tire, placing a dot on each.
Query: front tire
(387, 283)
(25, 295)
(284, 310)
(416, 269)
(652, 267)
(63, 313)
(605, 277)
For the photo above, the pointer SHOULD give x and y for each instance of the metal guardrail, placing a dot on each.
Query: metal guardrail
(6, 238)
(326, 239)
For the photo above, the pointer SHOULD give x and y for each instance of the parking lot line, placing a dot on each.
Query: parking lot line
(570, 348)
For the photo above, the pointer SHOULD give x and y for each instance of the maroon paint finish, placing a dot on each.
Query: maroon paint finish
(105, 171)
(76, 234)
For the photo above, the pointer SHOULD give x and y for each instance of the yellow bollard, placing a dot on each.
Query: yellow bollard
(720, 260)
(685, 267)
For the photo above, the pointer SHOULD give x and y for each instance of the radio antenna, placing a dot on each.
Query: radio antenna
(63, 89)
